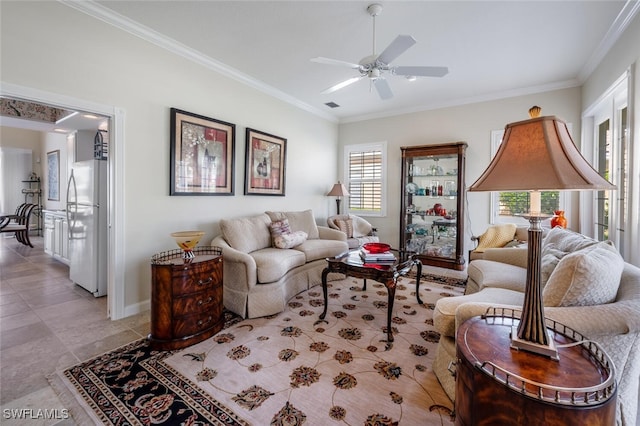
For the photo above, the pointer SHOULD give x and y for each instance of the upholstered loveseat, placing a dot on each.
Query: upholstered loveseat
(259, 277)
(587, 286)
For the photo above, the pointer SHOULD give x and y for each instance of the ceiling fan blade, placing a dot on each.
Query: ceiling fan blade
(341, 85)
(383, 88)
(421, 71)
(396, 48)
(328, 61)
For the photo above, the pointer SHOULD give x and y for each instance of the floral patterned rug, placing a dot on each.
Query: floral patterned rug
(286, 369)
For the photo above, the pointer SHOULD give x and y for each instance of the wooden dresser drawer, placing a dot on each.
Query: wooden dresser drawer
(205, 301)
(196, 277)
(193, 324)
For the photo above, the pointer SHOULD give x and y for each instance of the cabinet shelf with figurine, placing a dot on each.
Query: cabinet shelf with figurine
(432, 203)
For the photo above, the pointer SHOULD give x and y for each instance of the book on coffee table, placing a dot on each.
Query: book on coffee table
(383, 257)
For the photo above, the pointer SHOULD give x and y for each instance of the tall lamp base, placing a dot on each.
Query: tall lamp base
(532, 334)
(338, 201)
(549, 349)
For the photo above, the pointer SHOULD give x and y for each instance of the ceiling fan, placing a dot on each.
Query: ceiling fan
(375, 66)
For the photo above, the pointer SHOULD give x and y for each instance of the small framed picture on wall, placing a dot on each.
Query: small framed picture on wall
(264, 163)
(53, 175)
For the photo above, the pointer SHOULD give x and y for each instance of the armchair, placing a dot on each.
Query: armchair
(507, 235)
(358, 230)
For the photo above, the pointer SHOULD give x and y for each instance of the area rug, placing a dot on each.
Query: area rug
(286, 369)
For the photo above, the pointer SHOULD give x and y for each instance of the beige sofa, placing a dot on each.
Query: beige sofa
(260, 278)
(499, 278)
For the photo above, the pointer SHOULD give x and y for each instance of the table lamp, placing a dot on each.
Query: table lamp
(537, 155)
(338, 191)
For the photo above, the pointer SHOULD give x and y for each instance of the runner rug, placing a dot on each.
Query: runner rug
(286, 369)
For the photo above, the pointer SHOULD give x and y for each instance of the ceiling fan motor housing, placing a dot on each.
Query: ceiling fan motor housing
(373, 73)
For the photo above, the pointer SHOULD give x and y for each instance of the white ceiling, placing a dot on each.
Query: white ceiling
(493, 49)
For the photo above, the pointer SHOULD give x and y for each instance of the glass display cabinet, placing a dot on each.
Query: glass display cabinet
(432, 211)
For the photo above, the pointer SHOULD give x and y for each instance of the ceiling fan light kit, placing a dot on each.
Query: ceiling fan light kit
(376, 66)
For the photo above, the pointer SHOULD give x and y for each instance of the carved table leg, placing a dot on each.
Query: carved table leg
(325, 272)
(419, 267)
(391, 289)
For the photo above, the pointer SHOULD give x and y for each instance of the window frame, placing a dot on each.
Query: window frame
(495, 217)
(623, 221)
(367, 147)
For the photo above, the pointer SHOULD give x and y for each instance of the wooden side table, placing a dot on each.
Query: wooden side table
(497, 385)
(186, 298)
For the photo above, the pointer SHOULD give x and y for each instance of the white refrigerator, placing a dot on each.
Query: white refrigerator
(87, 221)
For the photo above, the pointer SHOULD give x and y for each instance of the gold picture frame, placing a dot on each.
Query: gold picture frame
(202, 155)
(264, 163)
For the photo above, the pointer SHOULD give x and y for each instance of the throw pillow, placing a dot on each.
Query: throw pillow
(496, 236)
(278, 228)
(299, 221)
(566, 240)
(557, 244)
(247, 234)
(587, 277)
(346, 226)
(287, 241)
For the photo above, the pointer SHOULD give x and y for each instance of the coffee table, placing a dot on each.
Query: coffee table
(351, 264)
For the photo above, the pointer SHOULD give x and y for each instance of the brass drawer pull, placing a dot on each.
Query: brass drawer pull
(201, 323)
(205, 282)
(202, 302)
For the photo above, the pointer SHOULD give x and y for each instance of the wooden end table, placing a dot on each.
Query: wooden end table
(186, 297)
(496, 384)
(351, 264)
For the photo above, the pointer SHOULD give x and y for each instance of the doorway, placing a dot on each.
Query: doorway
(115, 185)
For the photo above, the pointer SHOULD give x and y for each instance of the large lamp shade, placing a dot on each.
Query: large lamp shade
(537, 154)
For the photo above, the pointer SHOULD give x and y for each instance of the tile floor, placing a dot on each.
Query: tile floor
(47, 324)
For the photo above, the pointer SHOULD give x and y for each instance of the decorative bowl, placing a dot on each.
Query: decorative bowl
(187, 240)
(376, 247)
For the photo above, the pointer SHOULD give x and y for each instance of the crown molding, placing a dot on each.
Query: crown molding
(567, 84)
(622, 21)
(95, 10)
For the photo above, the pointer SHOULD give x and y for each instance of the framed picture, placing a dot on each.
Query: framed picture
(53, 175)
(202, 155)
(264, 164)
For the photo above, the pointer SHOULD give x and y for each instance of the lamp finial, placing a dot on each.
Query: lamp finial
(534, 111)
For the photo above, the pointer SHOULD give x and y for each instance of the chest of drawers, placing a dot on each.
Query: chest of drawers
(186, 298)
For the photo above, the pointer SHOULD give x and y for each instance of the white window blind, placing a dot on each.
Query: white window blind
(365, 178)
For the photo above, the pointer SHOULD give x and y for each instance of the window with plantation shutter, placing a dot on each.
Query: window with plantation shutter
(364, 169)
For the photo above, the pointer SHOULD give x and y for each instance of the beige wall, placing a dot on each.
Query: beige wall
(92, 61)
(469, 123)
(26, 139)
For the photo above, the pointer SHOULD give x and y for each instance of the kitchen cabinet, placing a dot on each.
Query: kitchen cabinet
(56, 235)
(432, 203)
